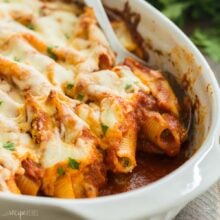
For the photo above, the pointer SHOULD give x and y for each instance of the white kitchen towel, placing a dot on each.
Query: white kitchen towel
(205, 207)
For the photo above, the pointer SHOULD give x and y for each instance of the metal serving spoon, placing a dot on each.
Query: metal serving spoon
(105, 24)
(121, 52)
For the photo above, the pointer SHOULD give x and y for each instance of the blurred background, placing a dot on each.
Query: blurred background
(200, 20)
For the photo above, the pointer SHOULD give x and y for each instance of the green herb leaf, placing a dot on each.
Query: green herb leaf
(80, 97)
(125, 162)
(73, 164)
(175, 11)
(51, 53)
(104, 128)
(128, 86)
(209, 42)
(60, 171)
(9, 146)
(69, 86)
(30, 26)
(41, 12)
(67, 36)
(1, 102)
(16, 59)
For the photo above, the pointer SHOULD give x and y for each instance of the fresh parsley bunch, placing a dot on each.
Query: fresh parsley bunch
(200, 19)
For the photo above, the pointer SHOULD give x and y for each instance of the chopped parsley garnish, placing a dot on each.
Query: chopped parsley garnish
(128, 86)
(16, 59)
(69, 86)
(67, 36)
(30, 26)
(80, 97)
(104, 128)
(1, 102)
(51, 53)
(41, 11)
(60, 171)
(125, 162)
(73, 164)
(9, 146)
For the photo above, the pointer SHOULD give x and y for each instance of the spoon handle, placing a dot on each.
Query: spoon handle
(104, 23)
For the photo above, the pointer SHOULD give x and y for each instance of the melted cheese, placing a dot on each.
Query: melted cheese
(60, 95)
(8, 107)
(5, 174)
(117, 82)
(42, 52)
(81, 151)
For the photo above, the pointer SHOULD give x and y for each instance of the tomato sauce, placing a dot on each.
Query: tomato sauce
(150, 167)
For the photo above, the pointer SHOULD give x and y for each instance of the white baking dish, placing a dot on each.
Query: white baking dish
(164, 198)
